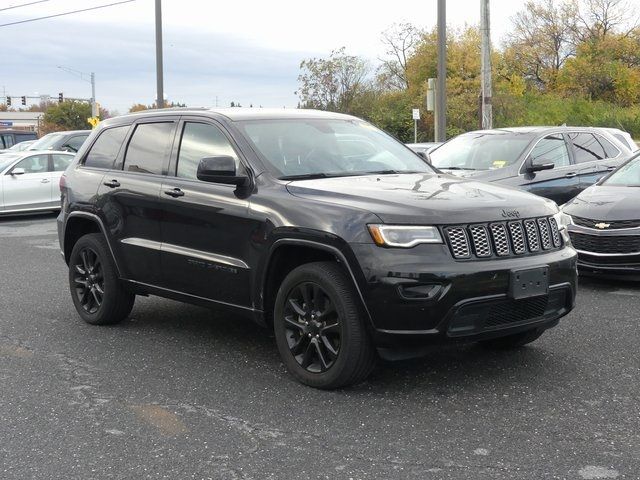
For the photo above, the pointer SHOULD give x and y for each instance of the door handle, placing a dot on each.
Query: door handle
(112, 183)
(571, 175)
(45, 180)
(610, 169)
(175, 193)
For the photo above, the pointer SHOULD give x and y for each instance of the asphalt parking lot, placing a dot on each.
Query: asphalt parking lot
(181, 392)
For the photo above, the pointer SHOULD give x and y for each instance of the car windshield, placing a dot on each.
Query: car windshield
(628, 175)
(19, 147)
(480, 151)
(7, 159)
(46, 142)
(332, 147)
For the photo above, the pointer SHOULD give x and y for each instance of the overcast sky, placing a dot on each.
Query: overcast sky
(245, 50)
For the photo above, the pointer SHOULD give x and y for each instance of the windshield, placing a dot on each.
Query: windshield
(479, 151)
(628, 175)
(304, 148)
(7, 159)
(46, 142)
(19, 147)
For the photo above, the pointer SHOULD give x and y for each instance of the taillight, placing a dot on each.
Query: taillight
(63, 183)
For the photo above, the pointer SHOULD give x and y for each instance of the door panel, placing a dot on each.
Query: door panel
(32, 189)
(559, 183)
(206, 230)
(128, 199)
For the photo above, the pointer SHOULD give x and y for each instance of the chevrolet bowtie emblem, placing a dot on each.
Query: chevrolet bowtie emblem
(602, 225)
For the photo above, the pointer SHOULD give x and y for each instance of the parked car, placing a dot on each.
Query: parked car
(622, 136)
(262, 212)
(604, 223)
(424, 147)
(69, 141)
(9, 137)
(29, 180)
(553, 162)
(18, 147)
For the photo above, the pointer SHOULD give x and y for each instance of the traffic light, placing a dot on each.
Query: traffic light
(60, 97)
(24, 100)
(8, 101)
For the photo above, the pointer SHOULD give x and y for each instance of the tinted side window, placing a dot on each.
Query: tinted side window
(610, 150)
(105, 149)
(7, 141)
(149, 147)
(34, 164)
(74, 143)
(586, 147)
(201, 140)
(551, 149)
(60, 162)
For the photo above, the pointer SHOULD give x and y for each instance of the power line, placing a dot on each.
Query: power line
(67, 13)
(22, 5)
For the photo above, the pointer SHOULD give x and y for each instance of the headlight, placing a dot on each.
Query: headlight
(403, 236)
(563, 220)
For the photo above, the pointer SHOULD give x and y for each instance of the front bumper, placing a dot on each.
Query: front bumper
(421, 295)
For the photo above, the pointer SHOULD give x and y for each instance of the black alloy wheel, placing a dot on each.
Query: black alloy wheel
(98, 294)
(321, 328)
(89, 280)
(312, 327)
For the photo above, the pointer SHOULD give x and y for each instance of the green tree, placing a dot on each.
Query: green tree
(332, 83)
(68, 115)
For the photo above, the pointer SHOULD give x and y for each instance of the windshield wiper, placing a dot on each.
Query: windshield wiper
(311, 176)
(456, 168)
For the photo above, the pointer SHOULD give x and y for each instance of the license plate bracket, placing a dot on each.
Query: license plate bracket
(530, 282)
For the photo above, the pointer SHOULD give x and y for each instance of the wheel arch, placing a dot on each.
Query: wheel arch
(82, 223)
(286, 254)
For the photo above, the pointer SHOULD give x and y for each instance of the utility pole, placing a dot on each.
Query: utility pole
(94, 107)
(441, 88)
(485, 59)
(159, 68)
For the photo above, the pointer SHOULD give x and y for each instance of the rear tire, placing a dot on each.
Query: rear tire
(516, 340)
(320, 328)
(96, 290)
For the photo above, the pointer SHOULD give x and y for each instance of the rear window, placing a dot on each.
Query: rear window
(105, 149)
(149, 147)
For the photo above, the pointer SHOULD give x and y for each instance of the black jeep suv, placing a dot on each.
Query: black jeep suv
(318, 225)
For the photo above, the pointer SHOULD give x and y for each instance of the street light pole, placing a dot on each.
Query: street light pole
(487, 107)
(159, 67)
(94, 106)
(441, 88)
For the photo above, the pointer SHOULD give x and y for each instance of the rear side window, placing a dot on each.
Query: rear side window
(200, 140)
(610, 150)
(105, 150)
(7, 141)
(74, 143)
(551, 149)
(149, 147)
(586, 147)
(60, 162)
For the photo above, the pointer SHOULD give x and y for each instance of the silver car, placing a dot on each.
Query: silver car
(29, 181)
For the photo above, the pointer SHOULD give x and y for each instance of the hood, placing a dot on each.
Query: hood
(420, 198)
(602, 202)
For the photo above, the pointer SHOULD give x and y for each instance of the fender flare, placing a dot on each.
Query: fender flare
(97, 220)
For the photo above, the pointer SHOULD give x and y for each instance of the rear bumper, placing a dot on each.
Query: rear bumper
(461, 300)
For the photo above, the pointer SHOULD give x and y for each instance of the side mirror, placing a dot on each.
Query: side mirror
(220, 169)
(18, 171)
(425, 156)
(537, 167)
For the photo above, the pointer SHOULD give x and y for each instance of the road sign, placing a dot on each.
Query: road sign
(416, 114)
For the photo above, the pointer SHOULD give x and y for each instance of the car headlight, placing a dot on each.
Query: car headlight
(403, 236)
(563, 220)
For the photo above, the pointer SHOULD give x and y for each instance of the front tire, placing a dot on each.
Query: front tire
(509, 342)
(319, 327)
(96, 290)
